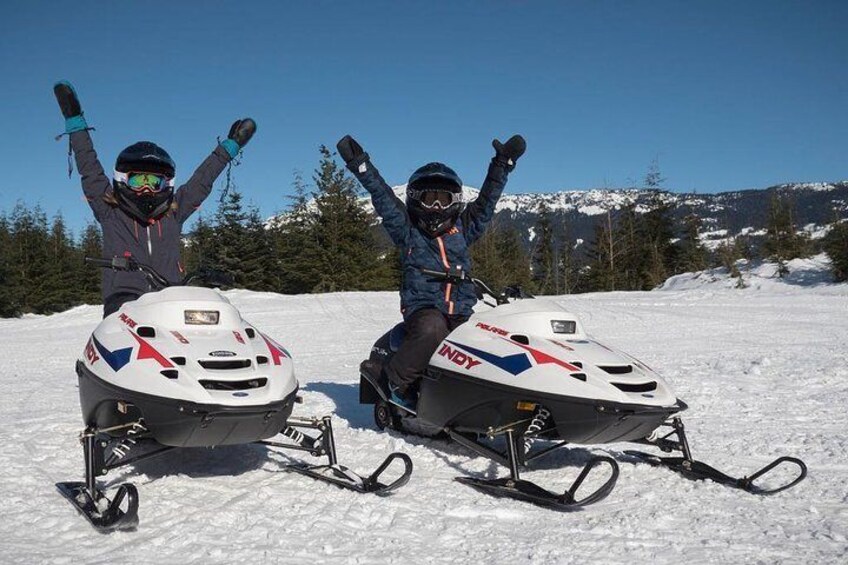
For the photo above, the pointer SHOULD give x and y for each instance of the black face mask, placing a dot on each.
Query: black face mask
(143, 207)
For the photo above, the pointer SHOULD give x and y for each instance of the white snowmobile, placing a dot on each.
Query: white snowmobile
(526, 371)
(179, 367)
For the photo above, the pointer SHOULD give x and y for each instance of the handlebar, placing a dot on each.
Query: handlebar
(130, 264)
(459, 276)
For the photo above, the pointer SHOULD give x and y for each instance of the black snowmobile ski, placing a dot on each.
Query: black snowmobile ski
(514, 487)
(333, 472)
(104, 514)
(697, 470)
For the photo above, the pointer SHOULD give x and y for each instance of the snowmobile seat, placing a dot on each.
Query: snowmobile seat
(396, 337)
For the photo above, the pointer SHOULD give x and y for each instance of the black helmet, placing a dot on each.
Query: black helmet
(434, 198)
(151, 200)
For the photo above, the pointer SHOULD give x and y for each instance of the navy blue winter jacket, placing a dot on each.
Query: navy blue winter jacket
(443, 253)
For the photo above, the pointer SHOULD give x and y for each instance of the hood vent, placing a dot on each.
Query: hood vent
(233, 385)
(518, 338)
(224, 364)
(636, 387)
(179, 360)
(616, 369)
(146, 331)
(251, 333)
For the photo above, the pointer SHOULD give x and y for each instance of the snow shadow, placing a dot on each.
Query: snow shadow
(346, 398)
(199, 462)
(360, 416)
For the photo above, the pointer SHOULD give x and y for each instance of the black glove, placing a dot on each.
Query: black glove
(351, 152)
(66, 96)
(509, 152)
(241, 131)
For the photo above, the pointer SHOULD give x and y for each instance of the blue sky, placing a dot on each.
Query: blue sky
(726, 94)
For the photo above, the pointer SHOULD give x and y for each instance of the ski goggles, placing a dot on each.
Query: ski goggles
(436, 199)
(145, 182)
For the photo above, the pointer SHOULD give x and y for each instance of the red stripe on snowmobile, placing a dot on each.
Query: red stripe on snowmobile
(147, 351)
(277, 352)
(542, 358)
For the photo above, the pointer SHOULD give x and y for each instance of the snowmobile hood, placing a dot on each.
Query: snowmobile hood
(148, 347)
(517, 345)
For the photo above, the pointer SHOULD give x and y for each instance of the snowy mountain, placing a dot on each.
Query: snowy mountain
(732, 355)
(724, 214)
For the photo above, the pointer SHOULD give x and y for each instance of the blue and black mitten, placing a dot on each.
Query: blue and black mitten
(240, 133)
(70, 106)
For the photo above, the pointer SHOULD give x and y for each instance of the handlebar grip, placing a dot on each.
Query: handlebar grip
(98, 261)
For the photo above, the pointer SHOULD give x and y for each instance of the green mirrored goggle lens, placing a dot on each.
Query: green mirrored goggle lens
(149, 180)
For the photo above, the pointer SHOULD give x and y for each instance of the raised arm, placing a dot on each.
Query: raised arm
(191, 195)
(388, 206)
(95, 183)
(479, 213)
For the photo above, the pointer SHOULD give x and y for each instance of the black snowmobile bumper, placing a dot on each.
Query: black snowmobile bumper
(180, 423)
(468, 404)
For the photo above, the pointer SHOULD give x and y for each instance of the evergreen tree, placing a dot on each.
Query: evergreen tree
(295, 246)
(691, 254)
(544, 265)
(28, 257)
(198, 247)
(259, 255)
(569, 266)
(8, 304)
(345, 244)
(836, 246)
(782, 243)
(601, 257)
(57, 285)
(499, 258)
(87, 277)
(659, 231)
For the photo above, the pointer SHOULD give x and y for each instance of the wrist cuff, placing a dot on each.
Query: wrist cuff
(231, 146)
(75, 123)
(356, 163)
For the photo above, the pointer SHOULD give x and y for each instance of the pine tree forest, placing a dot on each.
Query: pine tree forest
(327, 241)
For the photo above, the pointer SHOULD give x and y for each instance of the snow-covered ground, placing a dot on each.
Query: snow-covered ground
(764, 370)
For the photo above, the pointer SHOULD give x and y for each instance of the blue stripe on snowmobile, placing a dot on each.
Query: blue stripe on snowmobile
(513, 364)
(115, 359)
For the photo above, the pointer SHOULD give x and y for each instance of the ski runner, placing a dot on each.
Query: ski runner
(433, 231)
(139, 211)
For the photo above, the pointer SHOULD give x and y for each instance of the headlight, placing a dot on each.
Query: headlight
(201, 317)
(563, 326)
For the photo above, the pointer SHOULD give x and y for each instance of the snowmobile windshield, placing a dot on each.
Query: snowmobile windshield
(436, 198)
(144, 183)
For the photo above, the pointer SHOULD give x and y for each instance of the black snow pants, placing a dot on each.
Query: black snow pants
(425, 330)
(114, 301)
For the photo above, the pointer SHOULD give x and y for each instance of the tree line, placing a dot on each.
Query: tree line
(327, 241)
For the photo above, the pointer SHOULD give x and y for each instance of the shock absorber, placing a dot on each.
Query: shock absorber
(120, 451)
(537, 424)
(299, 438)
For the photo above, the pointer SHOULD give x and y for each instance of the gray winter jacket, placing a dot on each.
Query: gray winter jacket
(156, 244)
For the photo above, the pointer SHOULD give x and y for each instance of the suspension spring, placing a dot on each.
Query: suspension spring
(537, 424)
(120, 451)
(296, 436)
